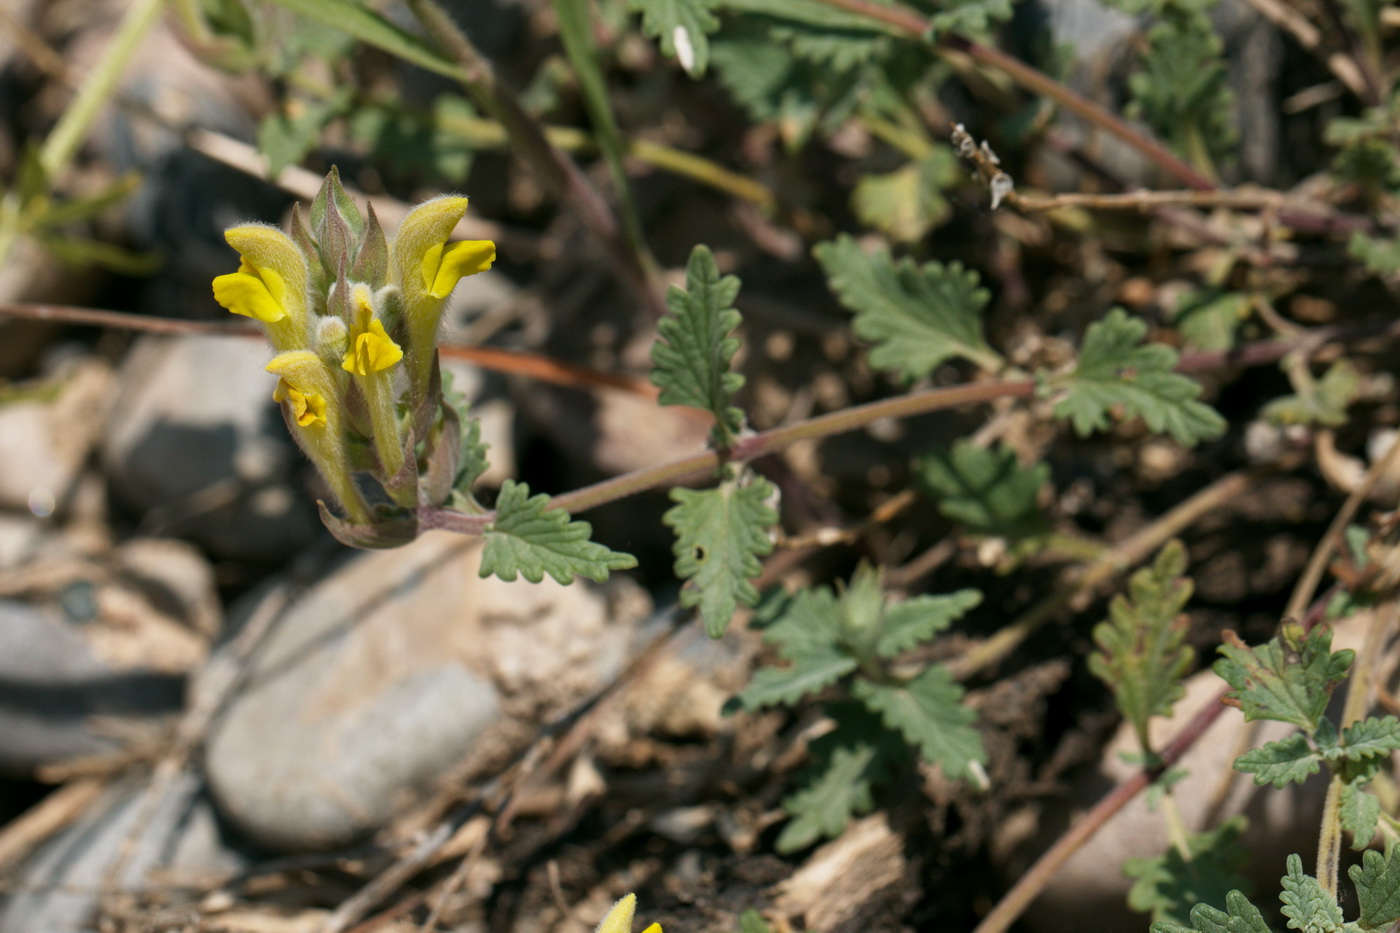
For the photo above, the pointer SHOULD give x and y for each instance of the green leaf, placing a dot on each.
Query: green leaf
(1168, 886)
(530, 539)
(928, 712)
(720, 535)
(1142, 652)
(1182, 91)
(692, 357)
(1116, 369)
(811, 620)
(285, 137)
(1289, 679)
(1323, 402)
(915, 621)
(1380, 256)
(918, 317)
(751, 921)
(848, 763)
(975, 17)
(1208, 319)
(987, 490)
(1239, 916)
(362, 22)
(808, 673)
(1371, 737)
(1377, 881)
(1291, 759)
(834, 39)
(1306, 905)
(908, 202)
(683, 26)
(1359, 812)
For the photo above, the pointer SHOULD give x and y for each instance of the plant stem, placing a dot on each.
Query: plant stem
(1329, 838)
(98, 87)
(557, 172)
(1029, 885)
(759, 445)
(576, 32)
(1032, 80)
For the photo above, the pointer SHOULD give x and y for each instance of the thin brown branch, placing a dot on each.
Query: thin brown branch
(1310, 38)
(1036, 82)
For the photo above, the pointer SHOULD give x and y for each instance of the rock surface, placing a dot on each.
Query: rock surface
(55, 676)
(58, 890)
(196, 444)
(385, 675)
(48, 439)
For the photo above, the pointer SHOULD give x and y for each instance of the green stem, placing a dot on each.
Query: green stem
(557, 172)
(99, 86)
(576, 32)
(1176, 827)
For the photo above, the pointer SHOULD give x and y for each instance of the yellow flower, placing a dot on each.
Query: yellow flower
(619, 919)
(371, 351)
(252, 292)
(309, 408)
(445, 265)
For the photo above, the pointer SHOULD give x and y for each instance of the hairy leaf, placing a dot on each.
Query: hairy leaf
(1370, 737)
(1208, 319)
(1359, 812)
(917, 316)
(1239, 916)
(929, 713)
(1142, 652)
(1116, 369)
(683, 26)
(809, 672)
(692, 357)
(1168, 886)
(1377, 881)
(848, 763)
(530, 539)
(1182, 90)
(1291, 759)
(1306, 905)
(974, 17)
(1323, 402)
(986, 489)
(1288, 679)
(720, 535)
(915, 621)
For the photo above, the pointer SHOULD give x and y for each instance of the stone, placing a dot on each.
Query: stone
(197, 445)
(47, 439)
(59, 890)
(387, 674)
(54, 679)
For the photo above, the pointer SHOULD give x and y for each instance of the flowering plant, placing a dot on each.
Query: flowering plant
(354, 317)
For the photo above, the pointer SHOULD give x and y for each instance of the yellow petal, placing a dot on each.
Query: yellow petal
(308, 408)
(619, 919)
(247, 294)
(654, 928)
(444, 266)
(372, 351)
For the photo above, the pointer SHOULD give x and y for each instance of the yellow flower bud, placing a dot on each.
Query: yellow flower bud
(308, 408)
(619, 919)
(270, 284)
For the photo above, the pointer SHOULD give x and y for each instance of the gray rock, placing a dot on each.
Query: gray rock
(387, 675)
(52, 684)
(196, 443)
(48, 439)
(58, 890)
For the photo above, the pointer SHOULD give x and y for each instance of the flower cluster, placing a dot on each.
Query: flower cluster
(354, 319)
